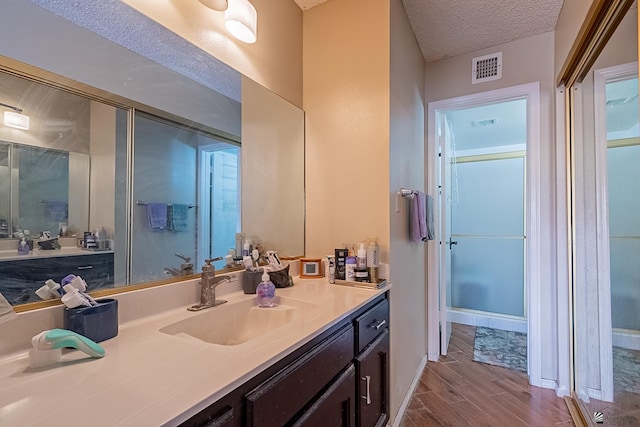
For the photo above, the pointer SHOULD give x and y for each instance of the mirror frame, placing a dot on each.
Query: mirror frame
(37, 75)
(603, 18)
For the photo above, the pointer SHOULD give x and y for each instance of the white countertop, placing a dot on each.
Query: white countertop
(149, 378)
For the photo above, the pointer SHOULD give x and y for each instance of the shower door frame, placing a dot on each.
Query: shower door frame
(531, 92)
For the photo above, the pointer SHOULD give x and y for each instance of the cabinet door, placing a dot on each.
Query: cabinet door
(372, 370)
(277, 400)
(336, 406)
(213, 416)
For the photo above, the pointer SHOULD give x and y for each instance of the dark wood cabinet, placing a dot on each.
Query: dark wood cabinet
(340, 378)
(336, 407)
(372, 370)
(20, 278)
(280, 398)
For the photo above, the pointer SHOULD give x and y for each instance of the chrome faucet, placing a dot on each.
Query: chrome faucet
(208, 284)
(186, 268)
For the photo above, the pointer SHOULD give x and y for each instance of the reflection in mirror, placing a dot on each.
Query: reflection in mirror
(80, 184)
(185, 182)
(607, 239)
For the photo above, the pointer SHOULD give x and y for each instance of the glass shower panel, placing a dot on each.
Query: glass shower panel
(45, 173)
(164, 194)
(624, 235)
(487, 272)
(487, 275)
(491, 198)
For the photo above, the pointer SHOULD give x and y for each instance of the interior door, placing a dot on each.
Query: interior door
(448, 194)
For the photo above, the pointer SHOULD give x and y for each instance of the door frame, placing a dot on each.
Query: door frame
(531, 92)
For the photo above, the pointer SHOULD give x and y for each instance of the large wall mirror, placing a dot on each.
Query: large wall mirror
(160, 186)
(605, 154)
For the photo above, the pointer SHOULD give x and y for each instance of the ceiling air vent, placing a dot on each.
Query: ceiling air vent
(486, 68)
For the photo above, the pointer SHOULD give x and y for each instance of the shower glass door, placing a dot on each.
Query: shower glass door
(487, 271)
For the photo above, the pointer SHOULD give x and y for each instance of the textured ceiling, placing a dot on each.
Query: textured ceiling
(447, 28)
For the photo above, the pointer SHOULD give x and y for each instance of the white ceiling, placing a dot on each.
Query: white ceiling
(446, 28)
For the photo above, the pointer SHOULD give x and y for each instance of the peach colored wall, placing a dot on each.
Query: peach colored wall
(363, 98)
(274, 61)
(346, 100)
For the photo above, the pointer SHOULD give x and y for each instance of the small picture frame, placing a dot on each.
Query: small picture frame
(310, 268)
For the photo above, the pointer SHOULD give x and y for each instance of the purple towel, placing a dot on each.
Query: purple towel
(58, 211)
(157, 214)
(422, 217)
(418, 217)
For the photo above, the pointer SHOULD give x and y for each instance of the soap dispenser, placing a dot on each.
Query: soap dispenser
(23, 248)
(266, 291)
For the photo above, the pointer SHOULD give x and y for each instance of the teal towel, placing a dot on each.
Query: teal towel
(177, 217)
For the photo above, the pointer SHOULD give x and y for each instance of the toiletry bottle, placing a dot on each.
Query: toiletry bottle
(331, 262)
(341, 257)
(247, 248)
(361, 263)
(373, 259)
(350, 268)
(266, 291)
(23, 248)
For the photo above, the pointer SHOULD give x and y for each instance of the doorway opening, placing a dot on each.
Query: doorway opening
(482, 154)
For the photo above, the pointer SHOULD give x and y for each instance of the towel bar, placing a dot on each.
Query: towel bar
(404, 192)
(141, 203)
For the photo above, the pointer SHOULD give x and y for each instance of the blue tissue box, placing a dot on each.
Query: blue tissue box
(98, 323)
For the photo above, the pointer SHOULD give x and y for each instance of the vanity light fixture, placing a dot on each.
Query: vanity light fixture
(218, 5)
(15, 118)
(241, 20)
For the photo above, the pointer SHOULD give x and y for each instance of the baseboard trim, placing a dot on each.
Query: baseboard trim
(626, 338)
(489, 320)
(547, 383)
(407, 397)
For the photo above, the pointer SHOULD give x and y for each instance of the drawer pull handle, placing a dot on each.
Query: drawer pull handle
(85, 267)
(367, 379)
(378, 325)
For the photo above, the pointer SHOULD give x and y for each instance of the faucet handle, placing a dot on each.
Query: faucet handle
(186, 259)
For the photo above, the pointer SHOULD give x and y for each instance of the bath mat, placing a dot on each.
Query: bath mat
(626, 370)
(501, 348)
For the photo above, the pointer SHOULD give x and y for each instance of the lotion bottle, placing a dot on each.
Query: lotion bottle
(373, 259)
(266, 291)
(361, 263)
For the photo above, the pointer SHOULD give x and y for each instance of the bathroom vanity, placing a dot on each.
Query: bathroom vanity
(338, 379)
(320, 359)
(21, 276)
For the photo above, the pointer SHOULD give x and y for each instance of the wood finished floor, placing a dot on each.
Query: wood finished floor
(456, 391)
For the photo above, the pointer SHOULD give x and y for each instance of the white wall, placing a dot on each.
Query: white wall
(524, 61)
(406, 170)
(102, 143)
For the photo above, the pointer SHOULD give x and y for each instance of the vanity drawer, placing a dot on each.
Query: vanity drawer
(280, 398)
(371, 324)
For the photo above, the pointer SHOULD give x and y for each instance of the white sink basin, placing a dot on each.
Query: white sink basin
(236, 323)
